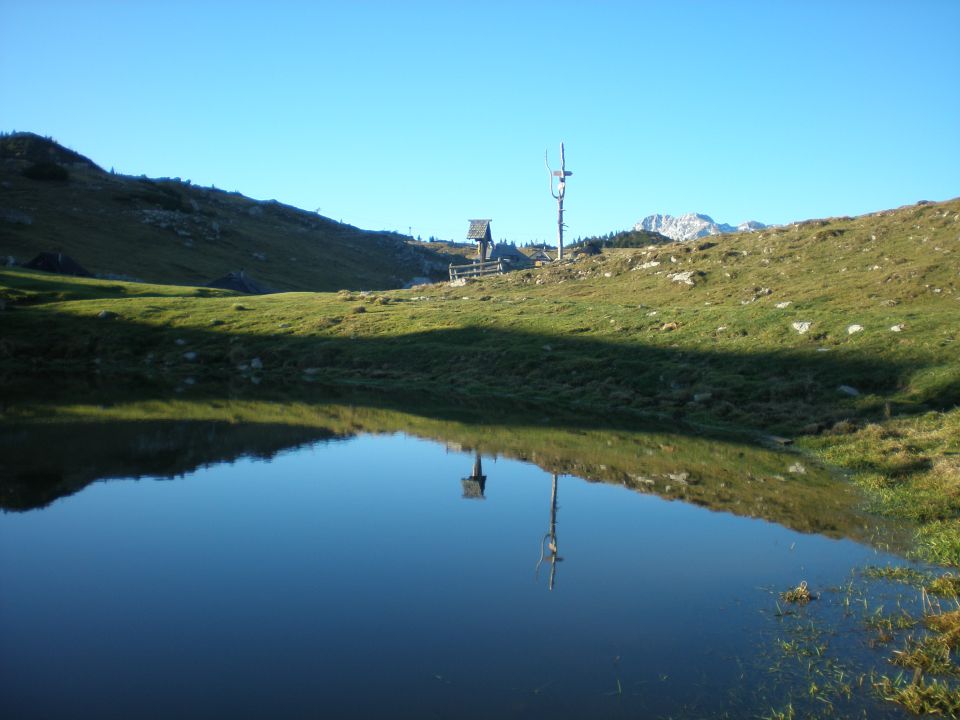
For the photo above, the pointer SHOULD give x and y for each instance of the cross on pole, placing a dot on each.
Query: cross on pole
(562, 174)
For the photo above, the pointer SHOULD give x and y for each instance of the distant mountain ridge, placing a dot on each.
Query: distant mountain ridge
(692, 226)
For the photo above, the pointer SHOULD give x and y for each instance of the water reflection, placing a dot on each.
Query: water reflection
(53, 449)
(252, 586)
(474, 485)
(548, 544)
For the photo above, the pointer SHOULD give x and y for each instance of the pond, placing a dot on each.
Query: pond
(164, 567)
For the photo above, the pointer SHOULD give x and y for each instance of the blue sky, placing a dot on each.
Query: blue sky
(421, 115)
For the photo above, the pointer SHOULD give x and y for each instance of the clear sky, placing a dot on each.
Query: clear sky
(422, 115)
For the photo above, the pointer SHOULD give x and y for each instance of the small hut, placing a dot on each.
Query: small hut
(240, 282)
(57, 262)
(510, 255)
(479, 232)
(540, 256)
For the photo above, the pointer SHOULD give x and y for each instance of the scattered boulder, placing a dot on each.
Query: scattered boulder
(107, 315)
(853, 329)
(897, 328)
(459, 282)
(15, 217)
(847, 390)
(669, 327)
(190, 356)
(413, 282)
(256, 363)
(783, 305)
(801, 327)
(687, 277)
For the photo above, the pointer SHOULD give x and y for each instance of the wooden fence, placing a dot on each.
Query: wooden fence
(491, 267)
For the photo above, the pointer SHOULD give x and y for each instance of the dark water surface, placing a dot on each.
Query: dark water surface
(364, 577)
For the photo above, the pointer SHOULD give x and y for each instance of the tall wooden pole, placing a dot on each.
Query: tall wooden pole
(562, 174)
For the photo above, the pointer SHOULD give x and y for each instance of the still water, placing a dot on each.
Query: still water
(391, 576)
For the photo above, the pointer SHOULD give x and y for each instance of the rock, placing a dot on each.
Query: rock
(701, 397)
(801, 327)
(668, 327)
(897, 328)
(459, 282)
(852, 329)
(180, 341)
(686, 277)
(413, 282)
(783, 305)
(847, 390)
(107, 315)
(261, 256)
(311, 371)
(608, 274)
(283, 326)
(256, 363)
(15, 217)
(548, 348)
(190, 356)
(797, 469)
(650, 264)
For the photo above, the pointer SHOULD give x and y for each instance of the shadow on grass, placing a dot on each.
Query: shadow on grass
(587, 381)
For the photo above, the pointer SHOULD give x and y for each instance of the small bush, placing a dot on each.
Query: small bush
(46, 171)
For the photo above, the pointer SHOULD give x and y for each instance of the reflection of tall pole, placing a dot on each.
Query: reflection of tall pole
(562, 174)
(550, 539)
(553, 532)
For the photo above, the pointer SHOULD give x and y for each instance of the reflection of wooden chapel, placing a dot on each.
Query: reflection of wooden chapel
(474, 485)
(480, 233)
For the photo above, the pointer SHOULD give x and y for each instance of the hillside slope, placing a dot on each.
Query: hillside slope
(169, 231)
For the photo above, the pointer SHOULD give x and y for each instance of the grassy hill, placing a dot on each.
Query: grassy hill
(169, 231)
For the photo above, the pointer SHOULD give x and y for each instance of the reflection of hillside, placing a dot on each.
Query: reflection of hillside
(46, 461)
(56, 449)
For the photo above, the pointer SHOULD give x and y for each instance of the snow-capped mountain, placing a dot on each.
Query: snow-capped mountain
(692, 226)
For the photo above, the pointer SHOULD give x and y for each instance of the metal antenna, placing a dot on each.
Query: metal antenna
(562, 174)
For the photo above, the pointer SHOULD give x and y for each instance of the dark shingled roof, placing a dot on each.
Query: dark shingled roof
(479, 229)
(57, 263)
(239, 282)
(508, 252)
